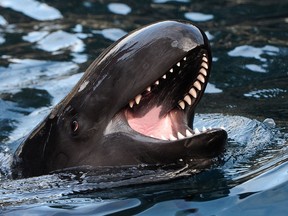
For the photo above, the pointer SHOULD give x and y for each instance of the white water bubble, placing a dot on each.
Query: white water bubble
(269, 122)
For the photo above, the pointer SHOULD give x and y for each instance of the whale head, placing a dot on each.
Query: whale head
(134, 105)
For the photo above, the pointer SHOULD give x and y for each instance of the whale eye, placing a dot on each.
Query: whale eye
(74, 126)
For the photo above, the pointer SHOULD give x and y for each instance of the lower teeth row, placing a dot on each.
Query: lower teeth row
(179, 136)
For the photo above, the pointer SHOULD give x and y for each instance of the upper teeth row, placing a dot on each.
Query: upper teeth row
(197, 85)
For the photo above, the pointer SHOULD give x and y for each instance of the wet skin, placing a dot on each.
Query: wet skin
(134, 105)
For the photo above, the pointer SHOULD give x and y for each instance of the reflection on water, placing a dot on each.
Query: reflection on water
(266, 93)
(257, 53)
(33, 9)
(119, 8)
(198, 17)
(46, 45)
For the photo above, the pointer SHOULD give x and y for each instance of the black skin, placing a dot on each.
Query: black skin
(88, 126)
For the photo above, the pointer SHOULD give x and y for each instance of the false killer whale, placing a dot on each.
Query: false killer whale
(134, 105)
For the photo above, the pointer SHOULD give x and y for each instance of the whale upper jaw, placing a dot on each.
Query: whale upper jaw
(134, 104)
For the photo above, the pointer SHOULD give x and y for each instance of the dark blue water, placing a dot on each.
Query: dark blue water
(46, 45)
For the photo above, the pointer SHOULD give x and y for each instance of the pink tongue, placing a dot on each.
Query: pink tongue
(151, 124)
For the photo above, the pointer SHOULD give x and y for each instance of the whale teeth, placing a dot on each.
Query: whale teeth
(193, 93)
(204, 129)
(197, 131)
(131, 104)
(171, 137)
(181, 104)
(138, 98)
(197, 85)
(157, 82)
(204, 65)
(188, 133)
(204, 58)
(180, 136)
(201, 78)
(163, 137)
(203, 71)
(188, 99)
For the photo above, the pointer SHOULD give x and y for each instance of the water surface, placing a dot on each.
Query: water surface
(45, 46)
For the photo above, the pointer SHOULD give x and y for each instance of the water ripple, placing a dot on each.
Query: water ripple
(248, 51)
(61, 40)
(265, 93)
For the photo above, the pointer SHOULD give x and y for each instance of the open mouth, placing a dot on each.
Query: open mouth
(164, 110)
